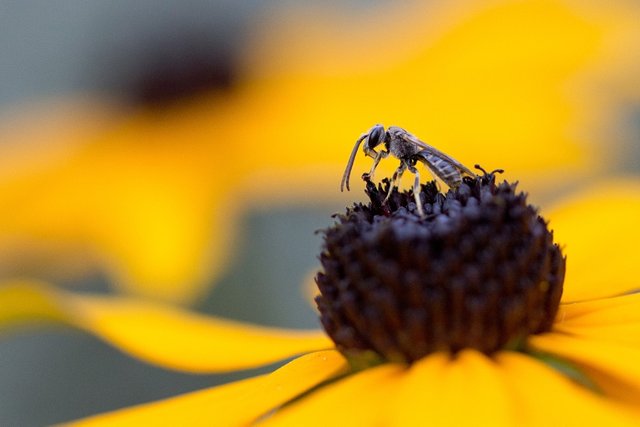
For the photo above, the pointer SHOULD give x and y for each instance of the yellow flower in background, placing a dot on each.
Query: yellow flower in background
(517, 83)
(581, 371)
(138, 195)
(151, 197)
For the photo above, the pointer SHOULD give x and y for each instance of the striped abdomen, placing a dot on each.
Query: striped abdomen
(443, 168)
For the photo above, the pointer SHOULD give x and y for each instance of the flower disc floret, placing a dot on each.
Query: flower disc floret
(479, 270)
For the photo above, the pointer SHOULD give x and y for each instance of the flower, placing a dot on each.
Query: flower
(579, 370)
(408, 275)
(132, 193)
(138, 194)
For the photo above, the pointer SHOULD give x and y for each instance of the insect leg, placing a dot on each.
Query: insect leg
(377, 157)
(416, 189)
(394, 181)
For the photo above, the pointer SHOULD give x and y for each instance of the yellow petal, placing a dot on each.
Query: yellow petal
(235, 404)
(542, 396)
(26, 302)
(137, 197)
(601, 311)
(359, 400)
(309, 288)
(161, 334)
(613, 367)
(599, 231)
(610, 319)
(467, 390)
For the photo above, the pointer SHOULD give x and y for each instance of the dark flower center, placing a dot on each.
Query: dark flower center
(480, 271)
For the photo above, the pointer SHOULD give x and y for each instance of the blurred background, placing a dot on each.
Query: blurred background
(187, 151)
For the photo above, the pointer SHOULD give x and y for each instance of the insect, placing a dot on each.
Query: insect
(409, 150)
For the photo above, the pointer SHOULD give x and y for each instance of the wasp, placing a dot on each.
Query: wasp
(409, 150)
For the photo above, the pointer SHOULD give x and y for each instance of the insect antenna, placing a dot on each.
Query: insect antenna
(352, 157)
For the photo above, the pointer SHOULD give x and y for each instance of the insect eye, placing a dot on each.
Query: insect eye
(376, 136)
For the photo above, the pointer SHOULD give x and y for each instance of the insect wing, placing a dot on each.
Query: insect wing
(407, 137)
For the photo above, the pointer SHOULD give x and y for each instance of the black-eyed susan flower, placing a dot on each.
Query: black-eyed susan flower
(452, 318)
(138, 194)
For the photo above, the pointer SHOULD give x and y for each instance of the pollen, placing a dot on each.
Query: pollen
(478, 270)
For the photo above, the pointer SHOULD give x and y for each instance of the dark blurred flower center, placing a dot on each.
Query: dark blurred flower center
(480, 271)
(175, 69)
